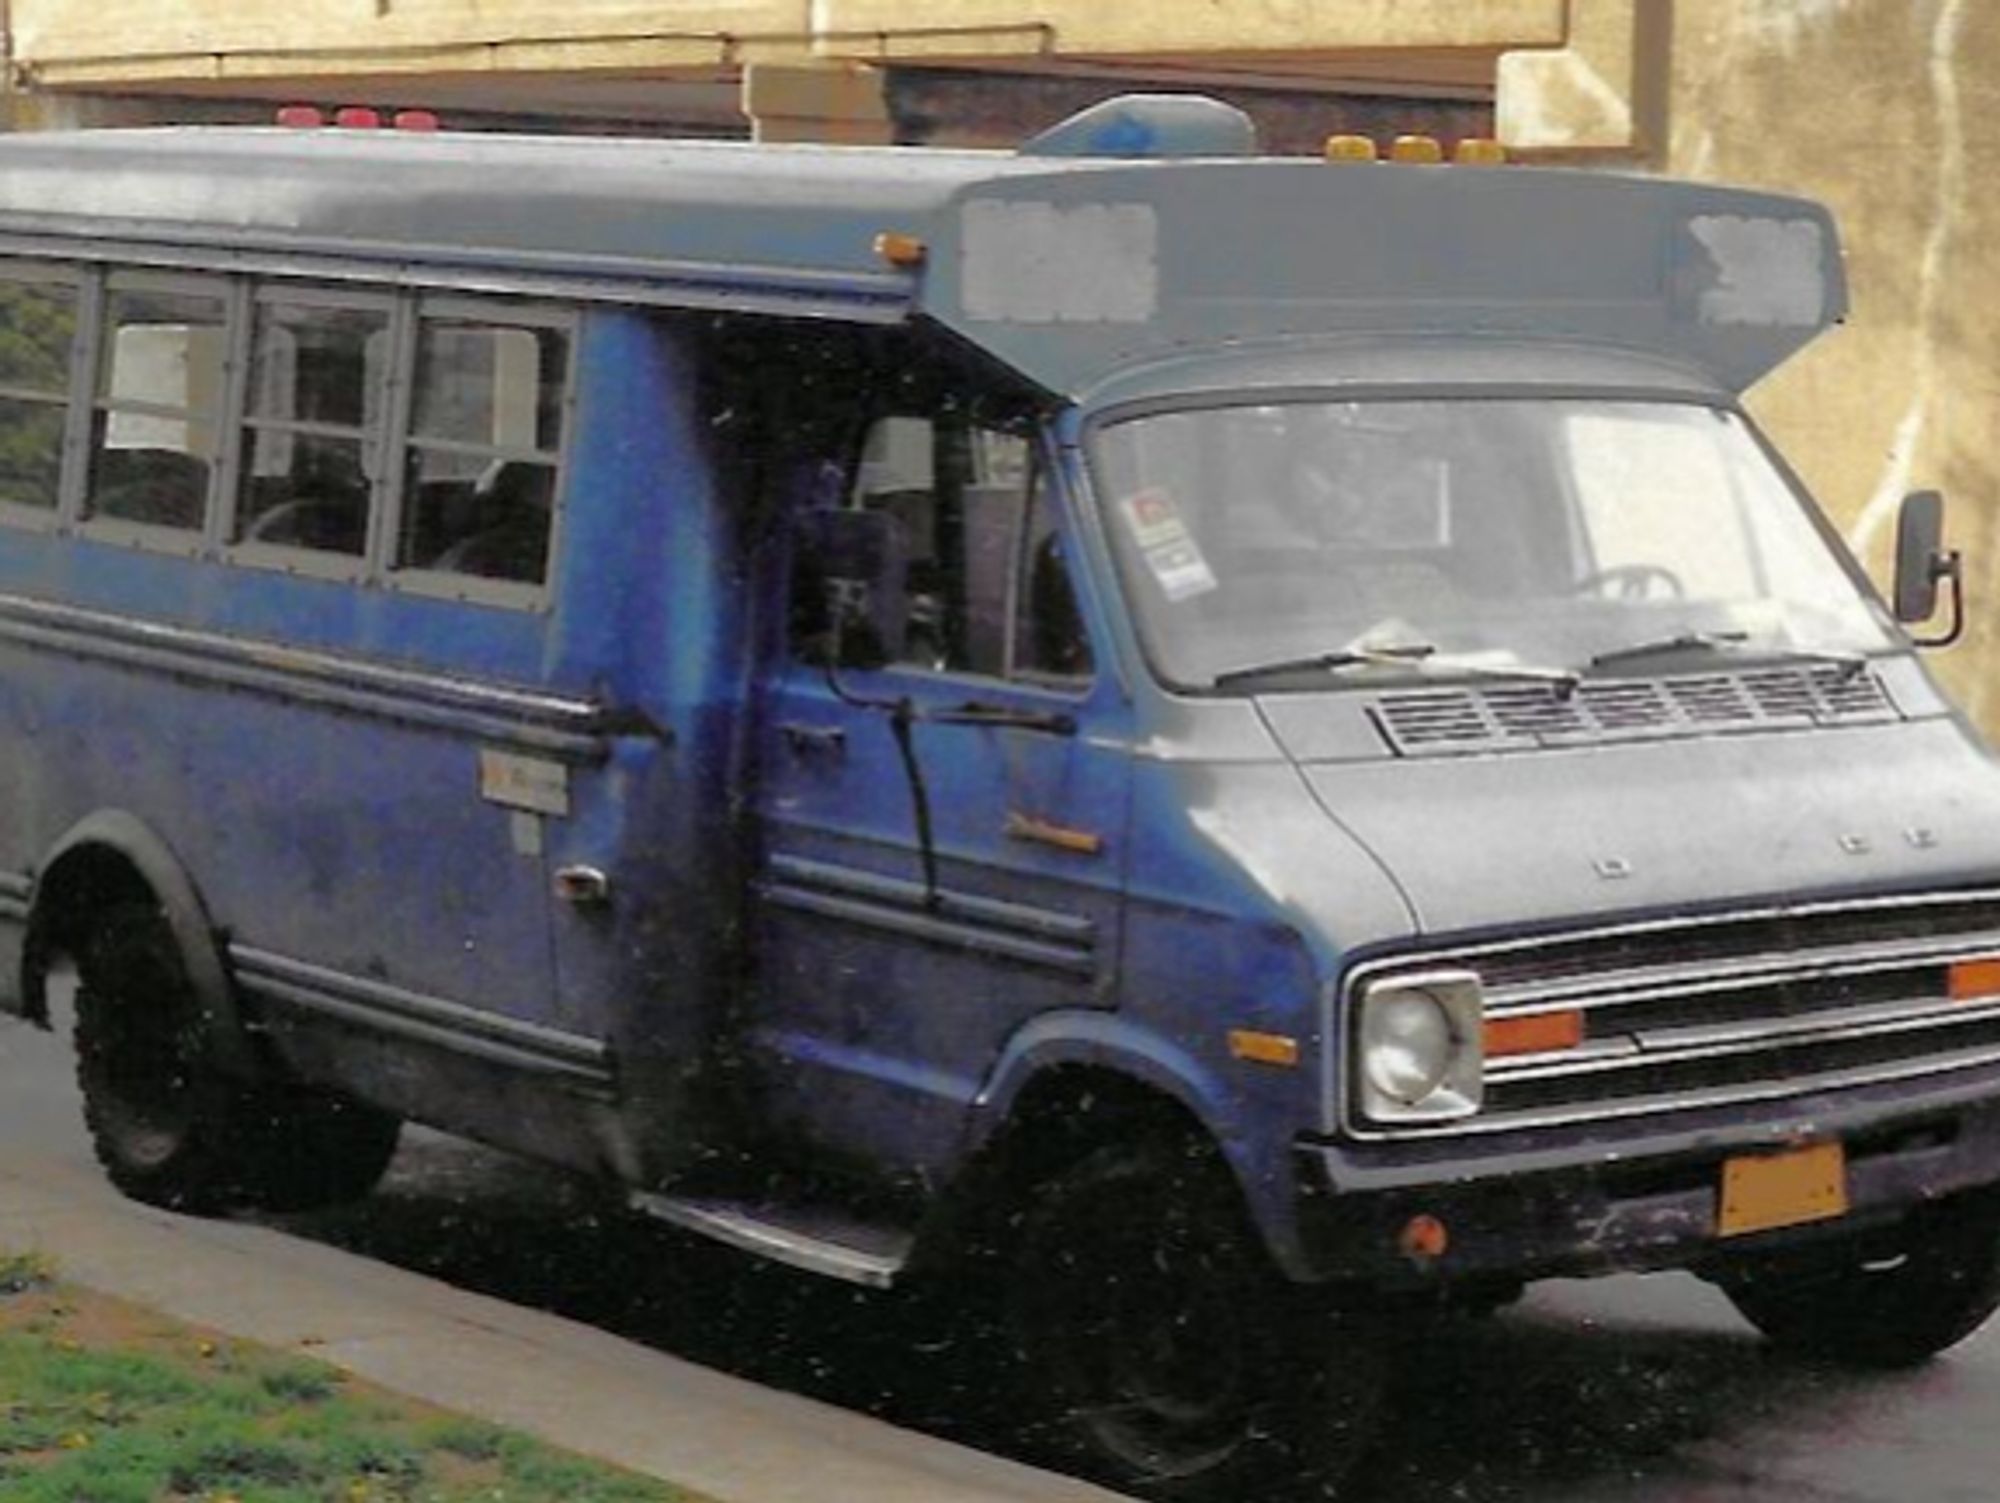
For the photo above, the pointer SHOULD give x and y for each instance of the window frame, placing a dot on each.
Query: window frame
(242, 296)
(401, 413)
(77, 279)
(286, 558)
(234, 293)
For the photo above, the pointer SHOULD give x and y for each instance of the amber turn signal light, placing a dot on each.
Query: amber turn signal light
(1538, 1033)
(1264, 1048)
(1974, 980)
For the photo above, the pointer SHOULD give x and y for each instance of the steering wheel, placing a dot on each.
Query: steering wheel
(1633, 582)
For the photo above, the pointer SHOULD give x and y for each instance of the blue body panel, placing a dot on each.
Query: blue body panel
(878, 1017)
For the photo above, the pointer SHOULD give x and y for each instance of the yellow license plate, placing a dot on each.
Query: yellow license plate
(1770, 1190)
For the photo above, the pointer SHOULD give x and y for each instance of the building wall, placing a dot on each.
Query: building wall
(1889, 111)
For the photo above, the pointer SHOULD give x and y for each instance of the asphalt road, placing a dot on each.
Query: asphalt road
(1627, 1390)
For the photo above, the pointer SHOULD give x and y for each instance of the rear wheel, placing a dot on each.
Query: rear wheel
(170, 1127)
(1165, 1355)
(1891, 1305)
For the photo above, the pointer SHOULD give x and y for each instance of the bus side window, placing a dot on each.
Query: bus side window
(480, 472)
(37, 335)
(159, 404)
(312, 437)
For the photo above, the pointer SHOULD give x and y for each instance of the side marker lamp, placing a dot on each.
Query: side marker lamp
(901, 250)
(1416, 149)
(1974, 980)
(1264, 1048)
(1350, 149)
(1537, 1033)
(1479, 151)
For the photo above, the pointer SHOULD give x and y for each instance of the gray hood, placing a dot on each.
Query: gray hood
(1554, 834)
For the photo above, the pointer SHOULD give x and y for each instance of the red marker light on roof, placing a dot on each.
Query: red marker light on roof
(416, 120)
(357, 117)
(302, 116)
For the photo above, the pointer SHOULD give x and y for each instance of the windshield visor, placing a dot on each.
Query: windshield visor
(1400, 538)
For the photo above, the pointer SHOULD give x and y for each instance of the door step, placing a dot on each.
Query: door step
(820, 1239)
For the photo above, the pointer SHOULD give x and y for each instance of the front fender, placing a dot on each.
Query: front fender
(1109, 1042)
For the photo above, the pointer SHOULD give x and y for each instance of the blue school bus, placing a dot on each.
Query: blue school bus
(1232, 749)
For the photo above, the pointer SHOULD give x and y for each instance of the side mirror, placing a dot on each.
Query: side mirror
(1922, 561)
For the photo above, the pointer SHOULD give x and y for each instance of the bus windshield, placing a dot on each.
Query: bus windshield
(1400, 537)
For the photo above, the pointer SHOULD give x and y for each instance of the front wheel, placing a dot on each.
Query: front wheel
(1889, 1306)
(1164, 1354)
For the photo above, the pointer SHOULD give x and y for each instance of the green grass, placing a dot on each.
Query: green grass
(102, 1402)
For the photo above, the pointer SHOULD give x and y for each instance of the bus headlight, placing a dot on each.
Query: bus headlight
(1418, 1055)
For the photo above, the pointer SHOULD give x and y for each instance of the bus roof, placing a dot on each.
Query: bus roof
(1066, 268)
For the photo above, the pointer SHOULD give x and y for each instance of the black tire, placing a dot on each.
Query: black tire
(1162, 1354)
(171, 1128)
(1891, 1305)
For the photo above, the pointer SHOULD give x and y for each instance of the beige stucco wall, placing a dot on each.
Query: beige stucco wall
(1889, 111)
(77, 42)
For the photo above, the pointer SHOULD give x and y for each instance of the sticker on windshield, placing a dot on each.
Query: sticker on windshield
(1164, 542)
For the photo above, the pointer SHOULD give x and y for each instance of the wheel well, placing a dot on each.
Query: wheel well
(1059, 1116)
(84, 881)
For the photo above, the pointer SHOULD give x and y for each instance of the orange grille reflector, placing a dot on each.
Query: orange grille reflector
(1974, 979)
(1538, 1033)
(1263, 1048)
(1423, 1239)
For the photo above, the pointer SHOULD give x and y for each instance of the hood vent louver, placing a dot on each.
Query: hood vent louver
(1431, 722)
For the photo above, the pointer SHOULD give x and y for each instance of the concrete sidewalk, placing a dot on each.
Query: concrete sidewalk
(568, 1383)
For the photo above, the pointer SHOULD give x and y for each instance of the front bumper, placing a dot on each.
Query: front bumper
(1644, 1199)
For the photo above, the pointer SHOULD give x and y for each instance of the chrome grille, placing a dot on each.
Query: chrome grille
(1430, 722)
(1748, 1007)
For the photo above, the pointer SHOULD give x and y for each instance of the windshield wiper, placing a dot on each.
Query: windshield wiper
(1332, 662)
(1850, 663)
(1421, 654)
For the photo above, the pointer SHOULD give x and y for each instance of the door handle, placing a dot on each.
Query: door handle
(830, 739)
(585, 886)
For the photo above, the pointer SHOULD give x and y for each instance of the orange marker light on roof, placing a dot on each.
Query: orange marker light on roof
(900, 250)
(1537, 1033)
(1350, 149)
(1974, 980)
(1416, 149)
(1479, 151)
